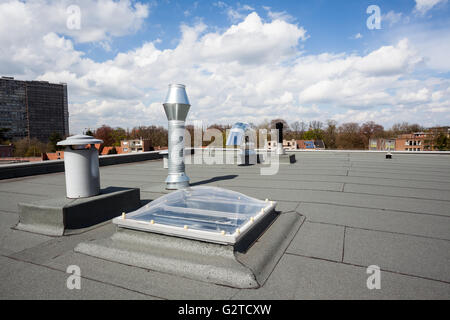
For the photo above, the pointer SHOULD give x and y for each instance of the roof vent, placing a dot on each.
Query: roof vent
(81, 166)
(176, 106)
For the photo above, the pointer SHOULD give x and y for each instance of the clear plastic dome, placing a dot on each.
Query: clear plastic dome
(206, 213)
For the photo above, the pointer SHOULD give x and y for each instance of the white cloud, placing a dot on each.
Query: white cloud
(100, 19)
(253, 70)
(234, 14)
(392, 17)
(278, 15)
(423, 6)
(357, 36)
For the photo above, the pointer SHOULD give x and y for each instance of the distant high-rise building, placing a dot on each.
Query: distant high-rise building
(33, 109)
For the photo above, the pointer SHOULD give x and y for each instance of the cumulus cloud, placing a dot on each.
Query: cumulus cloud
(423, 6)
(253, 70)
(392, 17)
(100, 19)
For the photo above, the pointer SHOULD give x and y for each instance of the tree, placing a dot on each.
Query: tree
(298, 129)
(330, 135)
(31, 148)
(405, 127)
(349, 137)
(53, 140)
(21, 147)
(118, 134)
(313, 134)
(315, 125)
(371, 130)
(105, 133)
(442, 142)
(285, 124)
(295, 126)
(158, 135)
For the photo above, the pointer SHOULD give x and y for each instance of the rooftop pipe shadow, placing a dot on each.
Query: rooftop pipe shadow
(215, 179)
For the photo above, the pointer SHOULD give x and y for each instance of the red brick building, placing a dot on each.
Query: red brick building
(411, 142)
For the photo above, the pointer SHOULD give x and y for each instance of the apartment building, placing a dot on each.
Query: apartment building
(33, 109)
(136, 145)
(411, 142)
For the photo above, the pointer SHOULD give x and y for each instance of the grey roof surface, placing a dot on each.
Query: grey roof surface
(360, 209)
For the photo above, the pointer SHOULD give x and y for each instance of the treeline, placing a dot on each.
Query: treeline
(33, 147)
(112, 136)
(347, 136)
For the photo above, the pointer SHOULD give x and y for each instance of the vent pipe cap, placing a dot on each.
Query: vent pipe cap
(177, 94)
(79, 139)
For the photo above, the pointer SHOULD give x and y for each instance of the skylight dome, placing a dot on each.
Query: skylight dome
(204, 213)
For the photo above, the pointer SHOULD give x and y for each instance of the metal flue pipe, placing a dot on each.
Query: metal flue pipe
(279, 126)
(176, 106)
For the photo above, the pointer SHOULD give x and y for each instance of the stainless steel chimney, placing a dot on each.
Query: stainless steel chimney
(176, 106)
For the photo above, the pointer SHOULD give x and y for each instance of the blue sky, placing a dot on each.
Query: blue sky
(330, 24)
(252, 60)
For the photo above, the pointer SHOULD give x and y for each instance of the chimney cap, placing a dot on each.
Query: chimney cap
(177, 94)
(79, 139)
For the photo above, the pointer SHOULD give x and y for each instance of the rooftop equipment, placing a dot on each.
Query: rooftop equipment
(239, 137)
(237, 133)
(165, 155)
(176, 106)
(81, 166)
(202, 213)
(280, 149)
(280, 154)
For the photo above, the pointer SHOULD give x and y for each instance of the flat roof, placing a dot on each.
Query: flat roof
(360, 209)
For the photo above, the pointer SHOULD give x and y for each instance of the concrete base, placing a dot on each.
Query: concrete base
(245, 265)
(57, 217)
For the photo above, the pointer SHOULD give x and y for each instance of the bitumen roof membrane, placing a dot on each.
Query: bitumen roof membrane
(360, 210)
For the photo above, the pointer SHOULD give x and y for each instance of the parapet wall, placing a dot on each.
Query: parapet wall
(17, 170)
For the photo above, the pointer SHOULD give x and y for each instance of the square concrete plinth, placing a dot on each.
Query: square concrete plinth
(60, 216)
(247, 264)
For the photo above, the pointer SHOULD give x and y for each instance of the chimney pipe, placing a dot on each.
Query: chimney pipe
(176, 106)
(279, 126)
(81, 166)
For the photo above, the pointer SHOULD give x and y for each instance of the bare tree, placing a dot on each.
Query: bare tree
(284, 122)
(349, 137)
(315, 125)
(371, 130)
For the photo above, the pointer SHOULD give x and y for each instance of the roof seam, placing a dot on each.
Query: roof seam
(362, 266)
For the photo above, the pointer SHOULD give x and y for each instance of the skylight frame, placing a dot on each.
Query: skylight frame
(220, 237)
